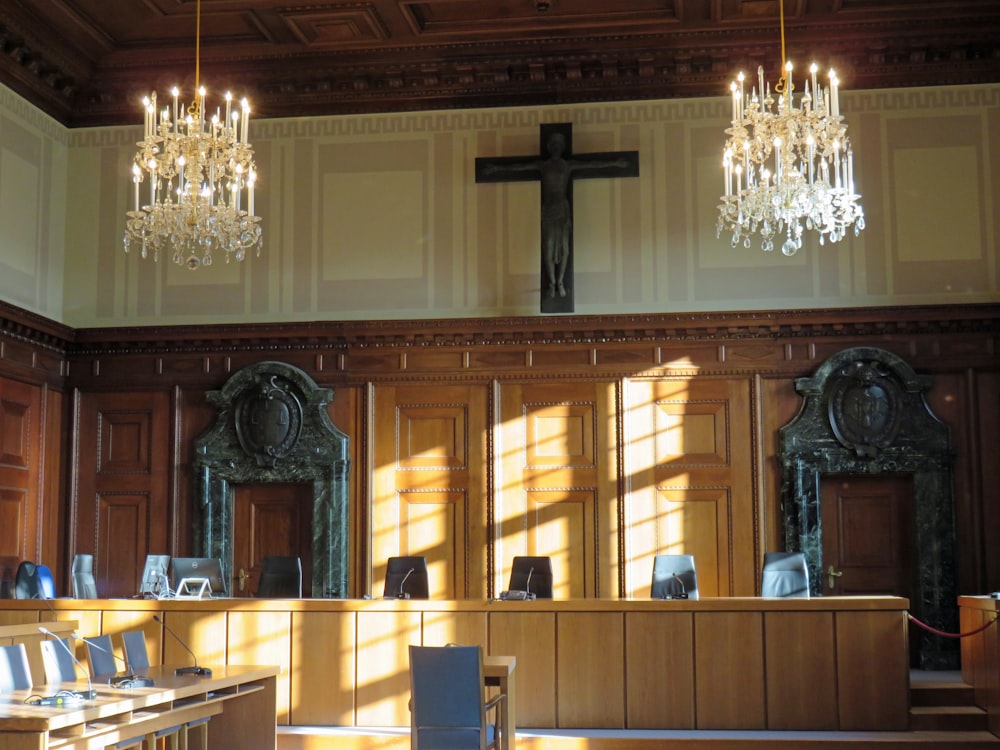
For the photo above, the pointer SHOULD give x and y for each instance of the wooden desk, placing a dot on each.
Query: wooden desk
(239, 699)
(981, 653)
(498, 671)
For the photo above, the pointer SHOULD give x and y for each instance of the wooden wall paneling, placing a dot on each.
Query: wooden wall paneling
(383, 659)
(803, 696)
(465, 628)
(555, 490)
(53, 503)
(689, 458)
(21, 446)
(114, 622)
(973, 651)
(430, 484)
(590, 685)
(729, 670)
(659, 644)
(322, 669)
(531, 637)
(869, 690)
(122, 493)
(777, 404)
(204, 632)
(264, 638)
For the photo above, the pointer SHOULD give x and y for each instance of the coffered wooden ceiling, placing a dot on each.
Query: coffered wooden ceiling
(88, 62)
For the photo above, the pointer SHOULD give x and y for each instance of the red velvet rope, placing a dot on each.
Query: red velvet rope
(929, 629)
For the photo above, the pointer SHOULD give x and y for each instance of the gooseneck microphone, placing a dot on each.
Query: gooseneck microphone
(202, 671)
(84, 695)
(402, 594)
(683, 592)
(527, 581)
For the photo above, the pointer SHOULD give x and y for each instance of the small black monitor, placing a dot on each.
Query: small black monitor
(406, 578)
(154, 581)
(532, 574)
(200, 567)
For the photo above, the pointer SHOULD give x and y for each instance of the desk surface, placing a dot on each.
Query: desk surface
(18, 716)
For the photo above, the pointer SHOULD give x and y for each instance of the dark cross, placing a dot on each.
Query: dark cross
(556, 167)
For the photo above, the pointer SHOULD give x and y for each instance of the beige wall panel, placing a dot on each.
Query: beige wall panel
(463, 628)
(868, 688)
(264, 638)
(729, 670)
(590, 685)
(658, 644)
(322, 676)
(383, 659)
(531, 637)
(801, 671)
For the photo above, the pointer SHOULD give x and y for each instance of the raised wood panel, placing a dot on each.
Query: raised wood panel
(868, 687)
(121, 489)
(264, 638)
(465, 628)
(322, 682)
(203, 632)
(688, 447)
(429, 491)
(116, 622)
(556, 493)
(591, 686)
(122, 531)
(658, 644)
(383, 679)
(22, 443)
(801, 671)
(531, 637)
(729, 650)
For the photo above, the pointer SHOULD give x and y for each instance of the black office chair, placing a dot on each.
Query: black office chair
(280, 577)
(446, 700)
(8, 575)
(406, 578)
(674, 577)
(784, 574)
(530, 577)
(84, 583)
(26, 583)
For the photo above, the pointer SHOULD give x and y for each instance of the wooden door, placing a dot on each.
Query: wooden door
(270, 519)
(869, 537)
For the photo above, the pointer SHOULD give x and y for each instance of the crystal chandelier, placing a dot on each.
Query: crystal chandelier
(198, 168)
(788, 165)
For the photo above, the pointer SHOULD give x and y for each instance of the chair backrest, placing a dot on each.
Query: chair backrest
(406, 578)
(154, 576)
(101, 655)
(26, 585)
(136, 653)
(531, 574)
(785, 574)
(446, 689)
(84, 583)
(46, 583)
(15, 672)
(280, 576)
(674, 576)
(59, 665)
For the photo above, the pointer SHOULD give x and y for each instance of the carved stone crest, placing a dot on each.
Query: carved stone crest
(864, 407)
(268, 419)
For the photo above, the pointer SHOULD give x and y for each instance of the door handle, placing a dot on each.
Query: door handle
(244, 576)
(832, 576)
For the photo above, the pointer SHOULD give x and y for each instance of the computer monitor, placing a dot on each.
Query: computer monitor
(406, 578)
(532, 574)
(154, 581)
(199, 567)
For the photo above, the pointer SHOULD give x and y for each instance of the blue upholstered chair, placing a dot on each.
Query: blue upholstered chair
(448, 710)
(56, 659)
(785, 574)
(101, 655)
(674, 577)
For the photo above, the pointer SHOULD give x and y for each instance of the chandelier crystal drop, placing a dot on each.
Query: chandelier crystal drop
(788, 164)
(198, 169)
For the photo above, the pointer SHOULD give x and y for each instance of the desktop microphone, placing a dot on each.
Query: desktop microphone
(683, 593)
(126, 680)
(402, 594)
(527, 581)
(87, 695)
(202, 671)
(518, 594)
